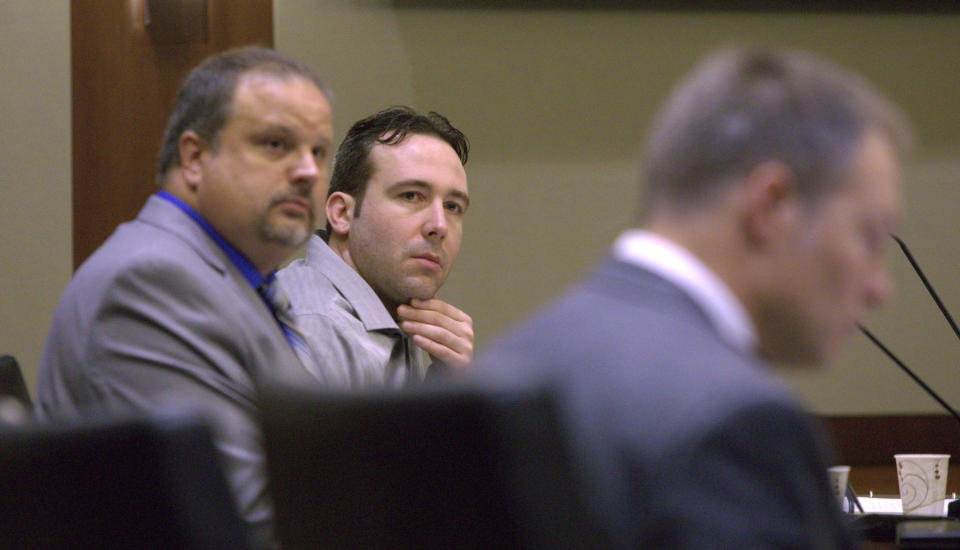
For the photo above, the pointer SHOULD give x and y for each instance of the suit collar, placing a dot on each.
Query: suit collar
(237, 258)
(351, 285)
(167, 217)
(677, 265)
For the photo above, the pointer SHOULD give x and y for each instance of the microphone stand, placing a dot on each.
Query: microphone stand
(909, 372)
(927, 285)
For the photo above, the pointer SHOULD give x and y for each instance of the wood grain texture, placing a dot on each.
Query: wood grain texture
(123, 85)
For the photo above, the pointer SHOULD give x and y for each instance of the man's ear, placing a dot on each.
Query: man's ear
(771, 202)
(191, 147)
(340, 209)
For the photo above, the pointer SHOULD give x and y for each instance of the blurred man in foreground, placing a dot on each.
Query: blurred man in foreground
(773, 179)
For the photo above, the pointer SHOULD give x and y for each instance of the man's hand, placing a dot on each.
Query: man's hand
(443, 331)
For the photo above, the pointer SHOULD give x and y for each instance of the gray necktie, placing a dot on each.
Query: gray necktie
(280, 305)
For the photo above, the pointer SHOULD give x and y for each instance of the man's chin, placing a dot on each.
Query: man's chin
(290, 234)
(807, 357)
(420, 290)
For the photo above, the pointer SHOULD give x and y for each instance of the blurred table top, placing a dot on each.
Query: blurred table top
(882, 480)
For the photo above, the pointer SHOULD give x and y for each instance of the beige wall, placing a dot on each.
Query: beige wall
(35, 247)
(555, 103)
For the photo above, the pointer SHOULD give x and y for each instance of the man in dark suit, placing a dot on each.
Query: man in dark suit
(177, 309)
(772, 183)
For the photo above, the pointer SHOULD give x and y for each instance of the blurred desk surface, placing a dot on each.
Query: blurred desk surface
(882, 480)
(868, 442)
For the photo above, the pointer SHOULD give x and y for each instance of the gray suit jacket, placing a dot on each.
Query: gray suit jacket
(684, 441)
(354, 338)
(157, 319)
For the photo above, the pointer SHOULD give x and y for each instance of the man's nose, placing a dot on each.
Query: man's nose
(305, 169)
(435, 226)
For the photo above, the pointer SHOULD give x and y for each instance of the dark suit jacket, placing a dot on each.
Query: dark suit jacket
(159, 318)
(685, 441)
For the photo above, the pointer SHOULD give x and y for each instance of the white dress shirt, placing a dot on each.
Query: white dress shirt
(677, 265)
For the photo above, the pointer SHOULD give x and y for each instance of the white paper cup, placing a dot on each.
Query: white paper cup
(838, 482)
(923, 483)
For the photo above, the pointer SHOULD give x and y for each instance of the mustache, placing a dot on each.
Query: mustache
(297, 193)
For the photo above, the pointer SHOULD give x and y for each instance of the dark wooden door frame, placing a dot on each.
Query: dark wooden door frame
(123, 83)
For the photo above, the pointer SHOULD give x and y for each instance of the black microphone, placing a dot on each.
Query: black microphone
(927, 285)
(943, 310)
(909, 372)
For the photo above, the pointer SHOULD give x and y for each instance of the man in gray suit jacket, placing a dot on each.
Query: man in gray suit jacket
(175, 311)
(772, 183)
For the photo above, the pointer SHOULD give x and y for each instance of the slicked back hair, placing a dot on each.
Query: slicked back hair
(205, 98)
(741, 108)
(352, 167)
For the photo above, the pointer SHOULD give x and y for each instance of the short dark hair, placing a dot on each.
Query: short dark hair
(741, 108)
(352, 167)
(205, 98)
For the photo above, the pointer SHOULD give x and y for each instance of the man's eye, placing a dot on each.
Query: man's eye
(274, 144)
(454, 207)
(409, 195)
